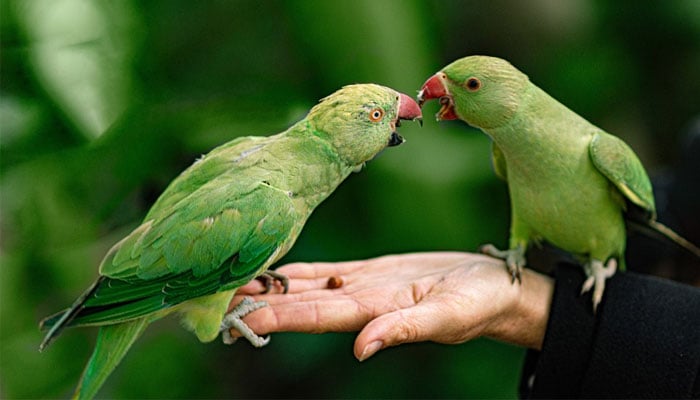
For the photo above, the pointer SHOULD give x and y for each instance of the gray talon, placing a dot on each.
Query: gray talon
(269, 277)
(597, 273)
(514, 258)
(234, 320)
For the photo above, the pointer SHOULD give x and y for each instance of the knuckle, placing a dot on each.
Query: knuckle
(406, 330)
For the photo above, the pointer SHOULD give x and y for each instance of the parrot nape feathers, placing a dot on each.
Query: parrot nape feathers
(570, 183)
(224, 221)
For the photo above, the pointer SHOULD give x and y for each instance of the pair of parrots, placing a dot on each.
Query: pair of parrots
(240, 208)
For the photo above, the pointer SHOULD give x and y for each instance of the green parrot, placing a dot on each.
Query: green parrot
(570, 183)
(223, 222)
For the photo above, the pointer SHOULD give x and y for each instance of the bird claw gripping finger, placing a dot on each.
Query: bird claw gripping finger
(268, 279)
(234, 320)
(514, 258)
(597, 274)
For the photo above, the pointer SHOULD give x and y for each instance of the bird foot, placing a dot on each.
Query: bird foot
(268, 278)
(514, 258)
(597, 273)
(234, 320)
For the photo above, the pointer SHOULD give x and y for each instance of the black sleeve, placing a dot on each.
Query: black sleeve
(643, 342)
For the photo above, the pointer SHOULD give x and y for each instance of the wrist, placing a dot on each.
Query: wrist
(524, 323)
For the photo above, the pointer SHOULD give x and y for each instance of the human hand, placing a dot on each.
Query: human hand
(445, 297)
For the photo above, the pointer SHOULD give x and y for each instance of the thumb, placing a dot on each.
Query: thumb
(408, 325)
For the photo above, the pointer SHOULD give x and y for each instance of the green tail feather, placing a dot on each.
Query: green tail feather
(57, 322)
(658, 230)
(113, 341)
(676, 238)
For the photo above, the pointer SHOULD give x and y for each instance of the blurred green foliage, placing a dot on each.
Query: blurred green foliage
(102, 103)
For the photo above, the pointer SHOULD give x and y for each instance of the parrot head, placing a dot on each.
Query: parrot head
(482, 91)
(361, 120)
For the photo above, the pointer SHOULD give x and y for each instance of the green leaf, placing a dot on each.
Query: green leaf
(79, 52)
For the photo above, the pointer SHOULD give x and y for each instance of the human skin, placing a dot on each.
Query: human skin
(444, 297)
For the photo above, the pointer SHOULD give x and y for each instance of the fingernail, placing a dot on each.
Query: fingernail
(370, 349)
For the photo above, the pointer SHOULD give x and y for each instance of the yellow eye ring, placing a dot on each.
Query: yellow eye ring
(376, 115)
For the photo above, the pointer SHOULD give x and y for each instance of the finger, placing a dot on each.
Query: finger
(256, 287)
(276, 299)
(314, 270)
(414, 324)
(339, 314)
(252, 287)
(305, 285)
(300, 290)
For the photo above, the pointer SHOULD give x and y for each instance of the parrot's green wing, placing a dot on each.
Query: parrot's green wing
(217, 225)
(214, 164)
(499, 162)
(617, 162)
(191, 253)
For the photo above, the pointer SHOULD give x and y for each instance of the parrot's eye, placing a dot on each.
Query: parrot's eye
(376, 115)
(473, 84)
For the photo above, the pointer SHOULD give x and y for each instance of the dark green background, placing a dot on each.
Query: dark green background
(102, 103)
